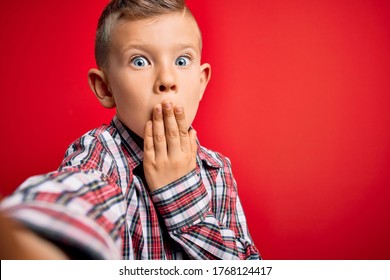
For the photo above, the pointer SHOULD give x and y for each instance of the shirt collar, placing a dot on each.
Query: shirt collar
(134, 145)
(212, 159)
(131, 142)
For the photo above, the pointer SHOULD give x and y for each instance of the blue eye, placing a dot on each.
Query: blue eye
(140, 62)
(182, 61)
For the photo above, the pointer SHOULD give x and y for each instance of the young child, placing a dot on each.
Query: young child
(141, 187)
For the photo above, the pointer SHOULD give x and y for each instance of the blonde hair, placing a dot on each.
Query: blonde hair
(131, 10)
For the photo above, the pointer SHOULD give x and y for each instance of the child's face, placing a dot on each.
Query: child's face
(153, 60)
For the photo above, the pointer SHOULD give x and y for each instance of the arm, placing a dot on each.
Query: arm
(180, 195)
(78, 208)
(20, 243)
(191, 220)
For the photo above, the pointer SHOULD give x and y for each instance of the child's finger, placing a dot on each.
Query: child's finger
(159, 140)
(171, 129)
(194, 145)
(148, 142)
(185, 142)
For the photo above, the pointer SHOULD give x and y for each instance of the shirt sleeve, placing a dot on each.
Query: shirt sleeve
(187, 210)
(73, 207)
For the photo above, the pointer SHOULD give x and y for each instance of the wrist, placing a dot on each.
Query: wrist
(183, 202)
(156, 182)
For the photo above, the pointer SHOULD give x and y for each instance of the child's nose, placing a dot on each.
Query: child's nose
(164, 88)
(165, 82)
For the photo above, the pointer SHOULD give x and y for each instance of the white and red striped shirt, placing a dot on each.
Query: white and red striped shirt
(98, 203)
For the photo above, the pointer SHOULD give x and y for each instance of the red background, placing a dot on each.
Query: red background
(299, 101)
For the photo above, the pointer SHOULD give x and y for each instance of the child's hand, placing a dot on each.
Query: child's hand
(20, 243)
(169, 148)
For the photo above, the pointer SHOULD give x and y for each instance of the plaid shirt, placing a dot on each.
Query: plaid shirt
(98, 203)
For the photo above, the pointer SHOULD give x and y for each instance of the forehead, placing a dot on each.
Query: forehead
(163, 31)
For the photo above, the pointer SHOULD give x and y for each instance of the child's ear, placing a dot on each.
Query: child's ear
(205, 75)
(98, 84)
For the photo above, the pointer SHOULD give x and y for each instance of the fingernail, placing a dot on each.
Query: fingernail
(167, 106)
(158, 109)
(179, 110)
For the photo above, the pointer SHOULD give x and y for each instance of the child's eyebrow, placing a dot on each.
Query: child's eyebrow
(146, 46)
(134, 45)
(187, 46)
